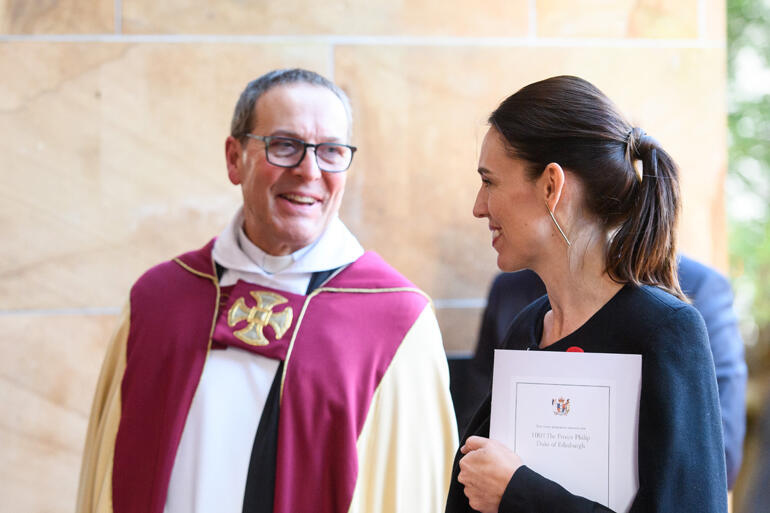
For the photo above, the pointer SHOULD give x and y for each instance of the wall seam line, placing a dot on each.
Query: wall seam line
(405, 41)
(43, 312)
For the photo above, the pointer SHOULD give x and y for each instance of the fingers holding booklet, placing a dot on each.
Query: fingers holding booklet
(485, 470)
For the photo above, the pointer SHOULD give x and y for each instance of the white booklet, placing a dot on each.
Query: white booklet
(573, 418)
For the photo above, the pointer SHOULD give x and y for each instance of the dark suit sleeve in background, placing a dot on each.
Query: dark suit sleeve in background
(712, 296)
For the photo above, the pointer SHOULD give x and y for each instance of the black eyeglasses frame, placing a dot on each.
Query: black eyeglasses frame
(266, 139)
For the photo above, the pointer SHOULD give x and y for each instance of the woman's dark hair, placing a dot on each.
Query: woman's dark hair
(569, 121)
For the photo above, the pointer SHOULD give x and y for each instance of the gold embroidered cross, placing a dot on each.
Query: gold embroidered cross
(260, 316)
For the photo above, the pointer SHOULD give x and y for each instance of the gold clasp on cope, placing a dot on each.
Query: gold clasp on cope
(260, 316)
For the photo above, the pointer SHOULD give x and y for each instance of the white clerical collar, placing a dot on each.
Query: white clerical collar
(235, 252)
(271, 264)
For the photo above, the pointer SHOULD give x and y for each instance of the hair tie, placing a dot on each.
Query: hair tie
(633, 141)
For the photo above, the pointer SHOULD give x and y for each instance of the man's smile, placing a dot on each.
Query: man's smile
(299, 199)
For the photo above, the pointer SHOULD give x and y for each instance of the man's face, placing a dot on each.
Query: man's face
(286, 209)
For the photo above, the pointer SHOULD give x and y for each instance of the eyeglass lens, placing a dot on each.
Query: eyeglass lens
(288, 152)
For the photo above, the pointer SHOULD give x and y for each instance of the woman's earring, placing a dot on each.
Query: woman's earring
(569, 244)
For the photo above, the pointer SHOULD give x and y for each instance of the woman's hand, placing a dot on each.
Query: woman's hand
(485, 471)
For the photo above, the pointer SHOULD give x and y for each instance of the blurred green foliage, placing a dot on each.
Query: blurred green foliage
(748, 183)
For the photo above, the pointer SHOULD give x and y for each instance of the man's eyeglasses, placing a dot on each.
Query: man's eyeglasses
(289, 152)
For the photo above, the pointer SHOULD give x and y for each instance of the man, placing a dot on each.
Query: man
(280, 367)
(711, 295)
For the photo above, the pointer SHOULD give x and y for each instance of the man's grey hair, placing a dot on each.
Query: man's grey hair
(244, 117)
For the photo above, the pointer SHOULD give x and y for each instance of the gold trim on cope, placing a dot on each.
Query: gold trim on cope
(196, 272)
(215, 282)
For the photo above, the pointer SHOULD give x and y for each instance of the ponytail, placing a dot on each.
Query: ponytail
(643, 248)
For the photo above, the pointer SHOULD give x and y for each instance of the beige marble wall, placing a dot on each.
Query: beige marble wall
(618, 18)
(57, 16)
(342, 17)
(113, 115)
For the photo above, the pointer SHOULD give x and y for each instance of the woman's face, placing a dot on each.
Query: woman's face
(512, 203)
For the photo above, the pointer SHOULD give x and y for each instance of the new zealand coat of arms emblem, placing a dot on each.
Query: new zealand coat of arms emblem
(560, 406)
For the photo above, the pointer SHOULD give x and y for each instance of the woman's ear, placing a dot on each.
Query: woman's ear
(552, 184)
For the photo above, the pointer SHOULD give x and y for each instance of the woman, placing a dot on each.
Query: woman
(575, 193)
